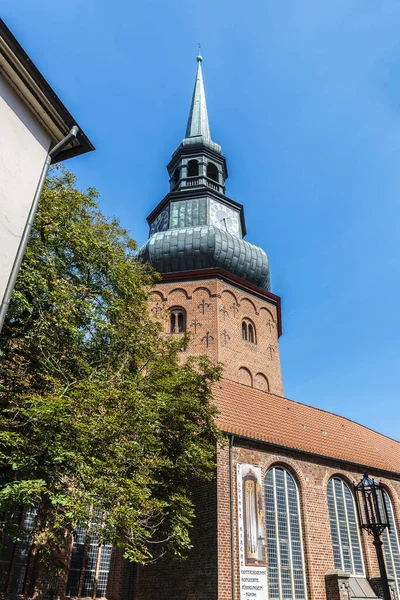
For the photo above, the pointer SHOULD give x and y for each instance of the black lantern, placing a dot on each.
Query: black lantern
(373, 516)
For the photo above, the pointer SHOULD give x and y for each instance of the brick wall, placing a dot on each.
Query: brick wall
(312, 476)
(196, 577)
(215, 311)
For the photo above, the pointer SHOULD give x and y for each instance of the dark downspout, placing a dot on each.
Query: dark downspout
(231, 442)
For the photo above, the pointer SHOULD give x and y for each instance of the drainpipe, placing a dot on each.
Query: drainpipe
(28, 227)
(231, 442)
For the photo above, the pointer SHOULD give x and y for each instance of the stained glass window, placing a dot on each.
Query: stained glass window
(286, 573)
(344, 528)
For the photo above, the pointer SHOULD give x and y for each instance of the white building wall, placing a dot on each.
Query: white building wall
(23, 149)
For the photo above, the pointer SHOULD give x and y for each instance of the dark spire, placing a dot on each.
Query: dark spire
(198, 118)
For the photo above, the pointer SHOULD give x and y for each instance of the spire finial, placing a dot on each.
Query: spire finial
(199, 56)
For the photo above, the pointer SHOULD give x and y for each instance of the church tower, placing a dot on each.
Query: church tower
(215, 284)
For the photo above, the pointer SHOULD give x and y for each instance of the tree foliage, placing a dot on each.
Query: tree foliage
(98, 409)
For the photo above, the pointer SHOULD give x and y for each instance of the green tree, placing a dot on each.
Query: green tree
(97, 408)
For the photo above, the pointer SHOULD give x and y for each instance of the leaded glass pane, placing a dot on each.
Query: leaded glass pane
(104, 569)
(284, 544)
(90, 561)
(344, 528)
(391, 545)
(22, 552)
(75, 566)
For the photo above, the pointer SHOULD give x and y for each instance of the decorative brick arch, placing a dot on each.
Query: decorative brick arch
(229, 293)
(245, 376)
(158, 296)
(202, 289)
(247, 302)
(263, 309)
(180, 290)
(293, 468)
(261, 382)
(340, 475)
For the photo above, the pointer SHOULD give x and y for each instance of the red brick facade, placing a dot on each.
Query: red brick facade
(215, 311)
(264, 429)
(217, 307)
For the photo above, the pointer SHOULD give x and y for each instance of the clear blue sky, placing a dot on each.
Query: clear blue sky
(304, 98)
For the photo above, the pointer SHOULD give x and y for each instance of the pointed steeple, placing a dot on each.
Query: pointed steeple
(198, 118)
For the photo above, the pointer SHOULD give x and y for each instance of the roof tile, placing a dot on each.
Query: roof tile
(262, 416)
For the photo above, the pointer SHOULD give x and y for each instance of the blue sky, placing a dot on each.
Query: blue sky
(304, 98)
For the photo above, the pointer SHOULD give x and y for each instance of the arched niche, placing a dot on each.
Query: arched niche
(261, 382)
(245, 377)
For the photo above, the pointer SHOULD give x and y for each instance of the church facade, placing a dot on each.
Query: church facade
(279, 520)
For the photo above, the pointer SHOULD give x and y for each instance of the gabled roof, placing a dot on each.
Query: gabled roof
(261, 416)
(33, 89)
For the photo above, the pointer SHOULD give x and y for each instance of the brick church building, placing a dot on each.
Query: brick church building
(279, 520)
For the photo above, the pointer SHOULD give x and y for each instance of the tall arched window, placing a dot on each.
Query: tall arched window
(212, 172)
(193, 168)
(286, 573)
(14, 556)
(177, 320)
(90, 561)
(252, 337)
(344, 528)
(391, 546)
(248, 331)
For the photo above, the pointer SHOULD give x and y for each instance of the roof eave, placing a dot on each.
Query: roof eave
(33, 89)
(360, 466)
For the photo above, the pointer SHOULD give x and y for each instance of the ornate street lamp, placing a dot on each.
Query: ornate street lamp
(373, 516)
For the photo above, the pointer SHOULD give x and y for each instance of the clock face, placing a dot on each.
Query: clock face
(224, 217)
(161, 221)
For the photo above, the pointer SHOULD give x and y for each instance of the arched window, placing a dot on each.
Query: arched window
(252, 337)
(344, 528)
(90, 561)
(212, 172)
(176, 176)
(14, 556)
(391, 546)
(286, 573)
(177, 320)
(248, 331)
(193, 168)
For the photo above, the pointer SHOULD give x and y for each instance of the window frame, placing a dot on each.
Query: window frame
(249, 331)
(99, 548)
(212, 172)
(193, 163)
(387, 543)
(176, 312)
(16, 567)
(277, 540)
(344, 485)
